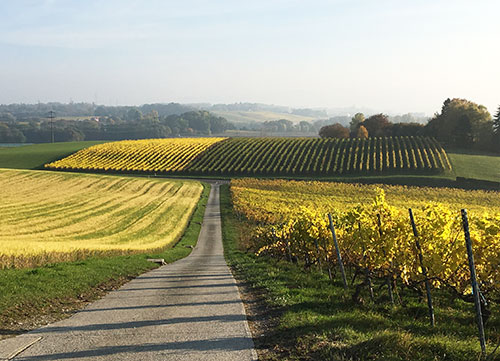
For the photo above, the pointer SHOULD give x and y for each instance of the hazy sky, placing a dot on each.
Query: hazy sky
(389, 55)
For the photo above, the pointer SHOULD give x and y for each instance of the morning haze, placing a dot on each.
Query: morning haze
(391, 56)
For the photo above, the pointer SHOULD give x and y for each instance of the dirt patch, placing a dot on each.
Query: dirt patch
(27, 317)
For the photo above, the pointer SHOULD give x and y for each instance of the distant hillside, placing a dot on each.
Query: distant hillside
(248, 117)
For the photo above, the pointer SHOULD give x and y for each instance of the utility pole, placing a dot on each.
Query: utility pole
(52, 116)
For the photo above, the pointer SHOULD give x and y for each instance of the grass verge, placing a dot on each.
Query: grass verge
(318, 321)
(37, 296)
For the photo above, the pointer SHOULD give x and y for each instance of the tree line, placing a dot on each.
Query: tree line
(40, 110)
(31, 124)
(461, 124)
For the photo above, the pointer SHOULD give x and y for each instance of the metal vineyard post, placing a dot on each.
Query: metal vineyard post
(475, 287)
(339, 257)
(389, 276)
(367, 271)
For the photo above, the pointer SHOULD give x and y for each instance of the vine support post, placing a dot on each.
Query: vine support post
(327, 261)
(475, 286)
(389, 276)
(337, 250)
(368, 278)
(367, 271)
(318, 253)
(289, 251)
(424, 269)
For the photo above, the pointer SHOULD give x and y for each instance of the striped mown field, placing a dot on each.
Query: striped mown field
(51, 217)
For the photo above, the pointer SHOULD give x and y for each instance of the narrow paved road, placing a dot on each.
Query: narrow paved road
(187, 310)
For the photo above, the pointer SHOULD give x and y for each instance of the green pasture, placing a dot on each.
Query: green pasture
(36, 155)
(476, 165)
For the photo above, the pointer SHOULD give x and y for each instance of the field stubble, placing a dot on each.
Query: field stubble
(52, 217)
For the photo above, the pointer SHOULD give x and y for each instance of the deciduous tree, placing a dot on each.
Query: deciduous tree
(134, 114)
(362, 132)
(356, 120)
(378, 125)
(462, 123)
(334, 131)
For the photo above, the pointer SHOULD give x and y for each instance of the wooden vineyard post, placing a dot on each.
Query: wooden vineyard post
(367, 271)
(368, 278)
(339, 257)
(289, 251)
(318, 253)
(389, 277)
(475, 287)
(424, 269)
(327, 261)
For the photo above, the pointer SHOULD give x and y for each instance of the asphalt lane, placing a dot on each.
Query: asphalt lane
(187, 310)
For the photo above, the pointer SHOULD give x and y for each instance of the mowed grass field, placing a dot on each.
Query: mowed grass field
(33, 297)
(52, 216)
(36, 155)
(475, 165)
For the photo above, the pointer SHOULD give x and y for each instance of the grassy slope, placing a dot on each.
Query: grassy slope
(35, 156)
(475, 165)
(50, 290)
(319, 322)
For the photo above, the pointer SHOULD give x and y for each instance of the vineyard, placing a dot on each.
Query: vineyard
(263, 156)
(151, 155)
(374, 232)
(320, 156)
(52, 217)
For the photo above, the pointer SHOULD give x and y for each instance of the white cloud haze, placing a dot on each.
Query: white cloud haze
(390, 55)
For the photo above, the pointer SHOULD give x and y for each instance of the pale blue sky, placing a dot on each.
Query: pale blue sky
(390, 55)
